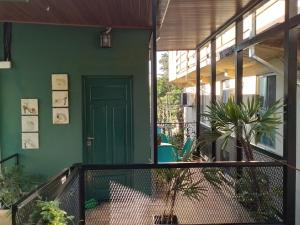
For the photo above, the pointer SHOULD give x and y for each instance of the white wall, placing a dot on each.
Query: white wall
(190, 112)
(172, 65)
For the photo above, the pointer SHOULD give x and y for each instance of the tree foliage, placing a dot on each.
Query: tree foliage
(168, 95)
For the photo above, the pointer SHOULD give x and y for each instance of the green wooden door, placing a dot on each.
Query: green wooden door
(108, 131)
(108, 120)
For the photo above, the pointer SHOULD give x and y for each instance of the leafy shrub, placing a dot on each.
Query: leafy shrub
(49, 213)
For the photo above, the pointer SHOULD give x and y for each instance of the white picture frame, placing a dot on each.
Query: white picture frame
(60, 82)
(60, 115)
(30, 141)
(30, 123)
(29, 107)
(60, 99)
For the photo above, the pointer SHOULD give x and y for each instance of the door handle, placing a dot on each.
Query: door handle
(89, 141)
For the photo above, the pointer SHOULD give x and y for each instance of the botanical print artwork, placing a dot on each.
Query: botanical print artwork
(59, 81)
(29, 106)
(60, 115)
(60, 99)
(30, 124)
(30, 140)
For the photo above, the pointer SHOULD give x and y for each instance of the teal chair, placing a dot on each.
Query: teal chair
(167, 154)
(163, 138)
(159, 130)
(186, 148)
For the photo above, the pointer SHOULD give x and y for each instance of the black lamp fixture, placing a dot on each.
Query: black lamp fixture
(105, 38)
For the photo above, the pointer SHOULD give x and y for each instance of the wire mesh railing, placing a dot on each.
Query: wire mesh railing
(178, 193)
(219, 193)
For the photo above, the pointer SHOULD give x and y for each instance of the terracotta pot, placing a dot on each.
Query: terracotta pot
(5, 217)
(167, 220)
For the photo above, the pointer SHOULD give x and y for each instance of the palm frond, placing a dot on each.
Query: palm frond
(248, 121)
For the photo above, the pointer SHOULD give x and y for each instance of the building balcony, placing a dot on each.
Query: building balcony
(136, 194)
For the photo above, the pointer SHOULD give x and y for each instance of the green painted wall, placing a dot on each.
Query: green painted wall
(38, 51)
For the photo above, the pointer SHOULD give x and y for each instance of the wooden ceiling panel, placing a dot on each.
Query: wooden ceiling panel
(188, 22)
(113, 13)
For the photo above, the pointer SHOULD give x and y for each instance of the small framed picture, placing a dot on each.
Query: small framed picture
(60, 115)
(60, 99)
(60, 82)
(30, 140)
(29, 107)
(30, 124)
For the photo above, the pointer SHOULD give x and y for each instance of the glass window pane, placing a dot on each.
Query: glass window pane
(225, 89)
(205, 81)
(205, 91)
(225, 40)
(205, 55)
(263, 77)
(270, 14)
(247, 26)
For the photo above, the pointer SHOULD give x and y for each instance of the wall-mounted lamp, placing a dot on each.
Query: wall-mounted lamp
(105, 38)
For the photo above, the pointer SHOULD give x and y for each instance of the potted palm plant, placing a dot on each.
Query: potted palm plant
(248, 122)
(175, 181)
(186, 182)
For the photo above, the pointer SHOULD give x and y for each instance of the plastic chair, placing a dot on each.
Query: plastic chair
(186, 148)
(167, 154)
(163, 138)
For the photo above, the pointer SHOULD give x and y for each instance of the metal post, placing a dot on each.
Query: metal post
(14, 210)
(198, 80)
(239, 76)
(17, 159)
(213, 85)
(154, 80)
(290, 115)
(81, 195)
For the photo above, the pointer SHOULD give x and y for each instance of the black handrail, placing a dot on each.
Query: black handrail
(38, 190)
(35, 192)
(11, 157)
(185, 165)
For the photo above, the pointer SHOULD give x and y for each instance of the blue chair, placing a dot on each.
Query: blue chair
(186, 148)
(167, 154)
(163, 138)
(159, 130)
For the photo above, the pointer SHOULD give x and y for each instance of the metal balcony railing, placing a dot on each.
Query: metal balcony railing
(12, 160)
(243, 193)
